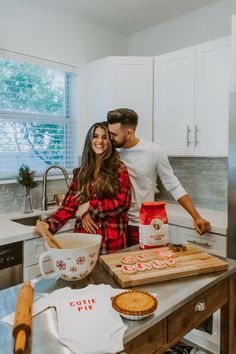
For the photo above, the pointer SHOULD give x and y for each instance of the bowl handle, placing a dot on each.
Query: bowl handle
(41, 264)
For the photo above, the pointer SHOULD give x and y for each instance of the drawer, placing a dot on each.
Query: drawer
(211, 243)
(32, 272)
(149, 341)
(197, 310)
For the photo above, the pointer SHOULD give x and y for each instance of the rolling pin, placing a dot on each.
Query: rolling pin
(23, 317)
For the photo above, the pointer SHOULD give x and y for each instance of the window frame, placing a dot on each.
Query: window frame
(69, 119)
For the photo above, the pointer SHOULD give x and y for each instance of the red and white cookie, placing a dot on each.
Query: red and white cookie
(141, 267)
(165, 254)
(158, 264)
(170, 262)
(128, 260)
(144, 257)
(129, 269)
(148, 266)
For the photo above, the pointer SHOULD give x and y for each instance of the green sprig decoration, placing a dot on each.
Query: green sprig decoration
(26, 177)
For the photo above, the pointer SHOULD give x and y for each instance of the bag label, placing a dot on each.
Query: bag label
(153, 225)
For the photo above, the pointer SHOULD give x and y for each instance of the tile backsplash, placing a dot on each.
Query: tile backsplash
(205, 180)
(12, 195)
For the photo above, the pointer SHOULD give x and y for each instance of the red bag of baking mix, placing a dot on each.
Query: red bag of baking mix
(153, 225)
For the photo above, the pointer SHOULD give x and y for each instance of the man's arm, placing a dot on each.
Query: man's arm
(201, 225)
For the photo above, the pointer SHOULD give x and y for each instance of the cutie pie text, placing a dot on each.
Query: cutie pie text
(83, 305)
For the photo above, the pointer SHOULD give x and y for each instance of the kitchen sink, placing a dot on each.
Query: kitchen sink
(30, 220)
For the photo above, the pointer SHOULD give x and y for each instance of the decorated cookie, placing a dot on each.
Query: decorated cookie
(158, 264)
(165, 254)
(148, 266)
(144, 257)
(170, 262)
(129, 269)
(128, 260)
(141, 267)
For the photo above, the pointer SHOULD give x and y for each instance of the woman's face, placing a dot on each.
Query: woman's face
(99, 141)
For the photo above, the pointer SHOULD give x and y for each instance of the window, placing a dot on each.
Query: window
(36, 125)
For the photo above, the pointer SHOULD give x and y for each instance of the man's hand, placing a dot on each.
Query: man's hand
(88, 223)
(202, 226)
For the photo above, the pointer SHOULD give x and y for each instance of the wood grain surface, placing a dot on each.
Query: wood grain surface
(191, 262)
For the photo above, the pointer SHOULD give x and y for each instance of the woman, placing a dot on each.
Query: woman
(99, 193)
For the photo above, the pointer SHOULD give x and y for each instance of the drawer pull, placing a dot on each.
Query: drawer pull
(201, 306)
(204, 244)
(196, 141)
(188, 136)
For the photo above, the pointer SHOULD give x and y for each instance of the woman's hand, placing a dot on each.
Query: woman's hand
(88, 223)
(36, 229)
(82, 209)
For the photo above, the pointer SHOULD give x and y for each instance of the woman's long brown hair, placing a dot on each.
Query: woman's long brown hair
(106, 183)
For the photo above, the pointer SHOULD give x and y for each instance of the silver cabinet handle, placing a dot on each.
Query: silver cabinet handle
(204, 244)
(201, 306)
(188, 136)
(196, 131)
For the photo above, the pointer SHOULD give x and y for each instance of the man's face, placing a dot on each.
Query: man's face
(118, 135)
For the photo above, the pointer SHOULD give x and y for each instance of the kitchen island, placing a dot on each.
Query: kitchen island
(182, 305)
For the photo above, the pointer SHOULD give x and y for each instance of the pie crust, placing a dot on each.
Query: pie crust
(135, 303)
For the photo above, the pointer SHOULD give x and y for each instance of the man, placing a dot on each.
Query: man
(145, 160)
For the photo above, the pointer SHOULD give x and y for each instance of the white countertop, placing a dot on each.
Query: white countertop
(177, 215)
(11, 231)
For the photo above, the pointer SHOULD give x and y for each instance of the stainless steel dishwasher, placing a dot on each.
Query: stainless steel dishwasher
(11, 267)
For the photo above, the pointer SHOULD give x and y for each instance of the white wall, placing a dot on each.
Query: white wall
(35, 28)
(204, 24)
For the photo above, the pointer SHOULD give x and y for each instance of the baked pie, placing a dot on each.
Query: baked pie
(135, 303)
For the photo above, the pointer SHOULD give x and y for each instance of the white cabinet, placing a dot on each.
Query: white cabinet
(122, 82)
(32, 250)
(173, 233)
(191, 88)
(174, 100)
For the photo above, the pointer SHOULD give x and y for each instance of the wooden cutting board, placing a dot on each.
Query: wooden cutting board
(191, 262)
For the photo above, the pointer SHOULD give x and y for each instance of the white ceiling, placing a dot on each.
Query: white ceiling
(129, 16)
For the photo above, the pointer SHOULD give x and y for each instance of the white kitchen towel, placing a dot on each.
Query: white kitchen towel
(87, 323)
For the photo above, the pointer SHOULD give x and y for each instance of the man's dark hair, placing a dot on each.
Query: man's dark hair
(126, 117)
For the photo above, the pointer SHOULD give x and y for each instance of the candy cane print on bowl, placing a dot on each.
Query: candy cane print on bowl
(76, 259)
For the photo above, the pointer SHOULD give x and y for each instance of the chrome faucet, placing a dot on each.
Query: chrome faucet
(44, 201)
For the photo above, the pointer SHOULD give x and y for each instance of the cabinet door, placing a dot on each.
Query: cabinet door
(122, 82)
(212, 95)
(174, 101)
(132, 87)
(173, 233)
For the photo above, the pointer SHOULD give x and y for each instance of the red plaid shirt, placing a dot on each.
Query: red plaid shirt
(109, 214)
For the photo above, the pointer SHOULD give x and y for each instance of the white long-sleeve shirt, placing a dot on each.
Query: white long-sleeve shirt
(145, 161)
(87, 323)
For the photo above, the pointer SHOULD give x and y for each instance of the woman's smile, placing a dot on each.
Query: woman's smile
(99, 141)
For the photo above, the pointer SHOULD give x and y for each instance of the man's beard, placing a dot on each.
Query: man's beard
(120, 144)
